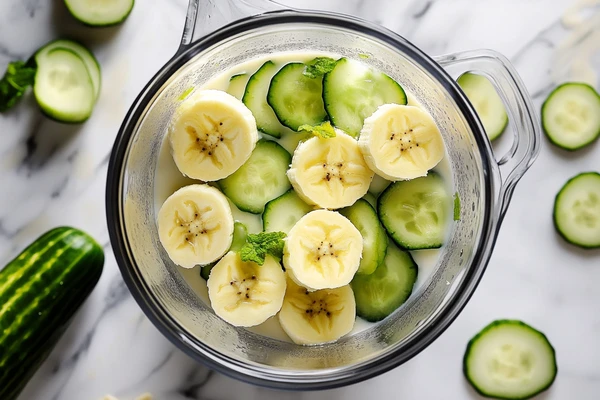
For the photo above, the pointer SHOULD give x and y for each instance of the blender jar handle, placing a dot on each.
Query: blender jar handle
(205, 16)
(519, 106)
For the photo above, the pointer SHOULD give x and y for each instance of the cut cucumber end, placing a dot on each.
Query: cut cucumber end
(282, 213)
(571, 116)
(510, 360)
(237, 85)
(100, 12)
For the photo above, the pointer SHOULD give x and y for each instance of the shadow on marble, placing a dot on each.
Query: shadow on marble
(66, 26)
(570, 155)
(568, 247)
(473, 395)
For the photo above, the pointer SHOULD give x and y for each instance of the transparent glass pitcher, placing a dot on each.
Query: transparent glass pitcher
(219, 34)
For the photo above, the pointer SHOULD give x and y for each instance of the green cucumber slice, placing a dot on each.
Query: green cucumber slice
(63, 87)
(382, 292)
(282, 213)
(364, 217)
(488, 104)
(571, 116)
(261, 179)
(237, 85)
(352, 91)
(416, 213)
(240, 233)
(577, 210)
(296, 98)
(510, 360)
(255, 98)
(100, 12)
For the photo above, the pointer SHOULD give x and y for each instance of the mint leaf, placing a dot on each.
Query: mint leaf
(259, 245)
(456, 207)
(324, 131)
(319, 67)
(17, 78)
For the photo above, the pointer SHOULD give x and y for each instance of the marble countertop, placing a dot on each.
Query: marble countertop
(53, 174)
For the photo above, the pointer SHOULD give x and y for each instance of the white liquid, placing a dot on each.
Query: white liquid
(168, 179)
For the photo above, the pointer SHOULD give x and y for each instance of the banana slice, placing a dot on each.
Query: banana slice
(195, 225)
(401, 142)
(330, 173)
(317, 317)
(245, 293)
(212, 135)
(322, 250)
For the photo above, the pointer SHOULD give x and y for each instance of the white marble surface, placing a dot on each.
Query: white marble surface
(52, 174)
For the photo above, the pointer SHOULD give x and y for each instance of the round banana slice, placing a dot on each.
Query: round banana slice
(212, 135)
(317, 317)
(330, 173)
(401, 142)
(245, 293)
(195, 225)
(322, 250)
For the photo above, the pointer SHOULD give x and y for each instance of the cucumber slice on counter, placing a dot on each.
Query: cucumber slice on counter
(571, 116)
(375, 241)
(296, 98)
(282, 213)
(416, 213)
(237, 85)
(352, 92)
(63, 86)
(487, 103)
(382, 292)
(261, 179)
(510, 360)
(100, 12)
(577, 210)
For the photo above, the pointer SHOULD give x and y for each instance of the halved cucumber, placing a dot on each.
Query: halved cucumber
(487, 103)
(261, 179)
(237, 85)
(100, 12)
(571, 116)
(415, 213)
(86, 55)
(380, 293)
(352, 92)
(375, 241)
(255, 98)
(63, 87)
(510, 360)
(282, 213)
(577, 210)
(296, 98)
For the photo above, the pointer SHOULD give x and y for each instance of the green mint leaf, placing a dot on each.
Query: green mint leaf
(259, 245)
(363, 56)
(324, 131)
(17, 78)
(456, 207)
(319, 67)
(185, 94)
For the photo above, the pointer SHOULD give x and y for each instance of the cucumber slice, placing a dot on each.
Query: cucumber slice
(510, 360)
(296, 98)
(487, 103)
(237, 85)
(415, 213)
(100, 12)
(364, 217)
(255, 98)
(577, 210)
(261, 179)
(240, 233)
(282, 213)
(382, 292)
(63, 87)
(205, 271)
(571, 116)
(352, 92)
(86, 55)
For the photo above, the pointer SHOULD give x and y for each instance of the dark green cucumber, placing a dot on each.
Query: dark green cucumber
(100, 13)
(40, 290)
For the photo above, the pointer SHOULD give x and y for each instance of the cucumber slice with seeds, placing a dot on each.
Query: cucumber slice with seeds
(63, 87)
(100, 12)
(510, 360)
(261, 179)
(352, 91)
(296, 98)
(571, 116)
(237, 85)
(577, 210)
(282, 213)
(487, 103)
